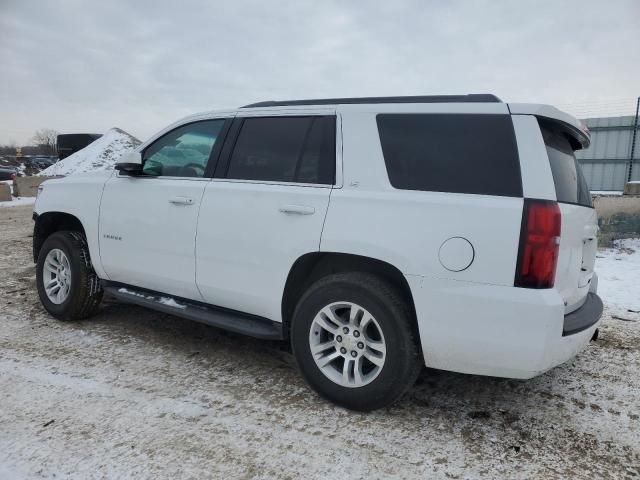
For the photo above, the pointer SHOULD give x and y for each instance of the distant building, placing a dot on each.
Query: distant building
(607, 161)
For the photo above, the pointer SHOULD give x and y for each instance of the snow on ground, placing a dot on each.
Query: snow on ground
(132, 393)
(18, 201)
(618, 271)
(605, 193)
(99, 155)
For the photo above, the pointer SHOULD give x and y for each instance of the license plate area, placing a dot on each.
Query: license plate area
(589, 246)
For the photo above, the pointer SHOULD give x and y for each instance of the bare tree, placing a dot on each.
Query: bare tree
(45, 138)
(8, 149)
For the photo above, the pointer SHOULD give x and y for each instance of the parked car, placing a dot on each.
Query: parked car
(69, 143)
(8, 173)
(376, 235)
(41, 161)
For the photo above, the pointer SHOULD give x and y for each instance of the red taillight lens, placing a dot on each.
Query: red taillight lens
(539, 244)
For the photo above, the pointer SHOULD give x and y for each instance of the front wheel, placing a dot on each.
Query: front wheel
(68, 287)
(353, 339)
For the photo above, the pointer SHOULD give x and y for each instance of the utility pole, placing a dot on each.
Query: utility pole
(633, 141)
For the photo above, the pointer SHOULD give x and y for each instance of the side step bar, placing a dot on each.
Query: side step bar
(230, 320)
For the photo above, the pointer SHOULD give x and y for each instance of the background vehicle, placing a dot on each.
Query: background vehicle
(8, 173)
(41, 161)
(376, 235)
(70, 143)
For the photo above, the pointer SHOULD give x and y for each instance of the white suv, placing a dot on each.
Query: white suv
(376, 235)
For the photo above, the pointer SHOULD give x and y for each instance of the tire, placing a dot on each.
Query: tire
(392, 316)
(84, 292)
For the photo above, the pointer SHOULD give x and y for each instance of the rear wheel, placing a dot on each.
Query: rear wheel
(68, 287)
(353, 338)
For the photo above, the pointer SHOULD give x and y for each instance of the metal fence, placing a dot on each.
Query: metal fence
(613, 158)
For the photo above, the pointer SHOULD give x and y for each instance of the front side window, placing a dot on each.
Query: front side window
(285, 149)
(183, 152)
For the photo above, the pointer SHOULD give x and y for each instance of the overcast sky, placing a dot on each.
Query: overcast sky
(85, 66)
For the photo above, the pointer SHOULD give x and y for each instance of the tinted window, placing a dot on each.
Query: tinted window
(183, 152)
(571, 186)
(460, 153)
(285, 149)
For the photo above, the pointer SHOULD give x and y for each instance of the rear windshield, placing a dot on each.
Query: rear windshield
(458, 153)
(571, 186)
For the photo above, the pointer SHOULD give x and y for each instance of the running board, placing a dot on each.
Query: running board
(230, 320)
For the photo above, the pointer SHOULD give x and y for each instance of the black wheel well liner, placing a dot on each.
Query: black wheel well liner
(311, 267)
(50, 222)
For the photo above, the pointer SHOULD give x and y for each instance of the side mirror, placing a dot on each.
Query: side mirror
(130, 164)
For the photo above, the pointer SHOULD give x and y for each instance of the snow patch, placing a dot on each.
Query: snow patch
(99, 155)
(170, 302)
(606, 193)
(18, 201)
(618, 272)
(135, 294)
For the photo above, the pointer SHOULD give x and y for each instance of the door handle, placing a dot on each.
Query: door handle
(181, 200)
(297, 209)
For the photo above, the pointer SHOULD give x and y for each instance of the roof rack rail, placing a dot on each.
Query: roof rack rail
(471, 98)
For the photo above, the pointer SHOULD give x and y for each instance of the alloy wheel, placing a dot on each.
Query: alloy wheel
(56, 276)
(347, 344)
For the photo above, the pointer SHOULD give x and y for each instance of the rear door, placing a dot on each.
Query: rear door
(266, 207)
(578, 236)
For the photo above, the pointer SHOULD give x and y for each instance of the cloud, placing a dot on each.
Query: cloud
(80, 66)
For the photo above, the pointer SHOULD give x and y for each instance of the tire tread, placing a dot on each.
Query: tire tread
(86, 300)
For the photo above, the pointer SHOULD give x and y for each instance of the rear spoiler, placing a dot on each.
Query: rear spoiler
(577, 132)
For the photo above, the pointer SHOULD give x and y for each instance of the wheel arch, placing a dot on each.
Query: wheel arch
(48, 223)
(311, 267)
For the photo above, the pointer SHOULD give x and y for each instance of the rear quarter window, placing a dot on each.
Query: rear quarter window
(458, 153)
(569, 181)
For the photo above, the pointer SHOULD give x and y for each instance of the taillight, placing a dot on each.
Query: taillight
(539, 244)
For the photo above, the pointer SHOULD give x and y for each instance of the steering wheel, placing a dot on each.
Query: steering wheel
(195, 166)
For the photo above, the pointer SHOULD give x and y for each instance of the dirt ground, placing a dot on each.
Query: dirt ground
(136, 394)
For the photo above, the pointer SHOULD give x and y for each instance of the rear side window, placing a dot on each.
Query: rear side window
(571, 186)
(285, 149)
(459, 153)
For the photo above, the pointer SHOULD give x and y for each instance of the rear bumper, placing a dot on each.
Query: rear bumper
(496, 330)
(584, 317)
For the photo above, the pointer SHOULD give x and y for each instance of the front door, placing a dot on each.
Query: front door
(148, 222)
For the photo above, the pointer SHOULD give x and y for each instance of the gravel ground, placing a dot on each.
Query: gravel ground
(133, 393)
